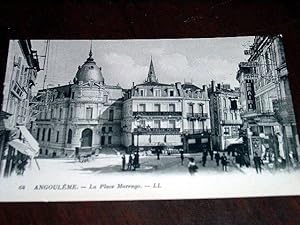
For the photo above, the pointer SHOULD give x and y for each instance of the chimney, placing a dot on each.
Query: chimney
(213, 88)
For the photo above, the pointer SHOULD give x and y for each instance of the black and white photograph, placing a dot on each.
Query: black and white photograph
(147, 119)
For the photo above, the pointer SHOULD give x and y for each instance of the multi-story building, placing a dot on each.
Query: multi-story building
(21, 73)
(266, 100)
(225, 115)
(157, 114)
(83, 116)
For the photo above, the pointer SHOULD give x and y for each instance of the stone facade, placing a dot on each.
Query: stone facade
(270, 123)
(225, 115)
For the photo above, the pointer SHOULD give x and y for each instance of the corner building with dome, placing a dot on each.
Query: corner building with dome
(82, 116)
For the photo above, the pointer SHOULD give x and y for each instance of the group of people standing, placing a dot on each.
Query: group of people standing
(133, 162)
(192, 167)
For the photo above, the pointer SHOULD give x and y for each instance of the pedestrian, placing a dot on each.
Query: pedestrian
(257, 162)
(224, 162)
(204, 157)
(123, 162)
(217, 157)
(158, 153)
(181, 156)
(135, 161)
(129, 165)
(211, 155)
(192, 167)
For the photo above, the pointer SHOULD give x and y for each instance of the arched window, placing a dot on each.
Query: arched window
(225, 116)
(69, 141)
(86, 138)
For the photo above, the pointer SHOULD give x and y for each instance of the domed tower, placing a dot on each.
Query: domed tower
(89, 71)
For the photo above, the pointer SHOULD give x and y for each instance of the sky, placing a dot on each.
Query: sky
(126, 61)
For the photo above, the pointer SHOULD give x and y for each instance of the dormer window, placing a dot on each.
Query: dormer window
(142, 92)
(171, 93)
(157, 93)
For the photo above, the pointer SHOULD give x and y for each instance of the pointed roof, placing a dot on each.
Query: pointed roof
(151, 78)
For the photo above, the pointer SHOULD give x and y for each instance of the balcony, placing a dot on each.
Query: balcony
(144, 130)
(197, 131)
(164, 113)
(197, 116)
(231, 122)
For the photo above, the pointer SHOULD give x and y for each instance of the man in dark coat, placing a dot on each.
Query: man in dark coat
(224, 162)
(257, 162)
(217, 157)
(211, 155)
(123, 162)
(129, 162)
(181, 156)
(204, 157)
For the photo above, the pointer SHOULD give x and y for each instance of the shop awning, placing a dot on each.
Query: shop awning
(232, 141)
(22, 147)
(26, 144)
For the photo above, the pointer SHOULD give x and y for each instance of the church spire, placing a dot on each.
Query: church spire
(90, 58)
(151, 74)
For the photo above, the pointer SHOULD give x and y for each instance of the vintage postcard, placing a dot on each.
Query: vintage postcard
(97, 120)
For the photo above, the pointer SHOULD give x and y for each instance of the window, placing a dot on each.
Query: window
(110, 129)
(142, 108)
(41, 151)
(191, 108)
(71, 113)
(156, 123)
(156, 107)
(172, 107)
(49, 135)
(225, 115)
(226, 130)
(52, 114)
(267, 57)
(232, 118)
(142, 92)
(172, 124)
(171, 93)
(268, 130)
(70, 133)
(57, 136)
(38, 134)
(73, 94)
(103, 129)
(234, 132)
(60, 113)
(235, 116)
(111, 115)
(109, 140)
(142, 123)
(233, 105)
(224, 100)
(105, 98)
(89, 113)
(46, 152)
(157, 93)
(43, 134)
(200, 108)
(190, 124)
(102, 140)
